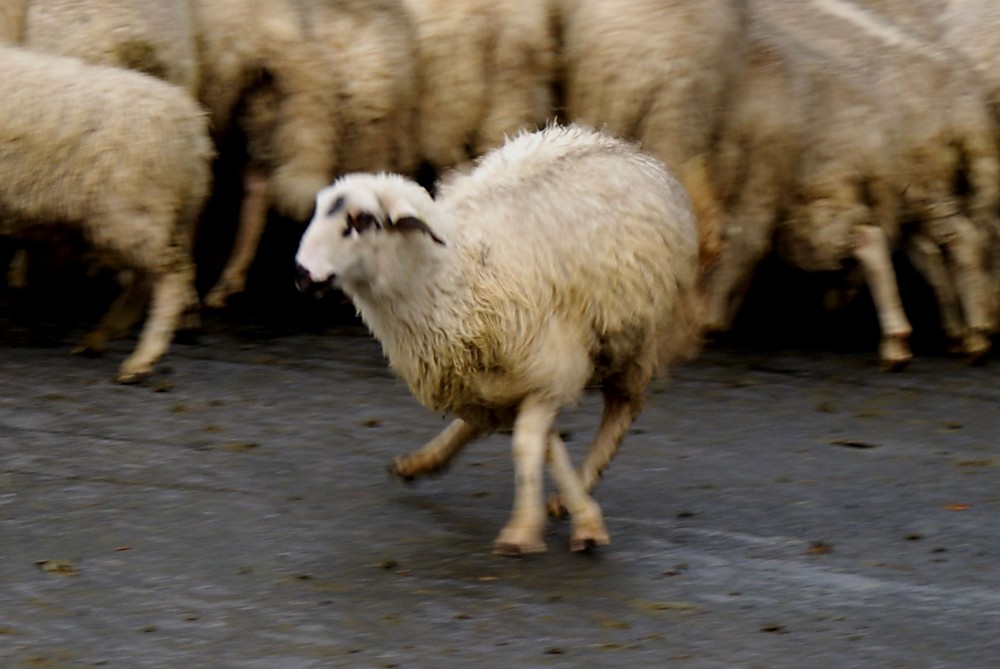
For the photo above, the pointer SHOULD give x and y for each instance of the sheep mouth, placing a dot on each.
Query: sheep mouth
(307, 285)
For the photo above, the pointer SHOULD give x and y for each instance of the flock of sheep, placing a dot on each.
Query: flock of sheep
(830, 133)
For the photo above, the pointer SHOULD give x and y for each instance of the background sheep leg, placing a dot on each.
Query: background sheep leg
(253, 219)
(871, 249)
(927, 258)
(588, 521)
(523, 533)
(124, 312)
(17, 271)
(963, 243)
(171, 295)
(438, 452)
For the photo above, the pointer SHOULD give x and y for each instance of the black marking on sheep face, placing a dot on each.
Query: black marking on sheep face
(414, 224)
(337, 205)
(362, 222)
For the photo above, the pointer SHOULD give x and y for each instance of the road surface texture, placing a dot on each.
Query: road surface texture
(770, 509)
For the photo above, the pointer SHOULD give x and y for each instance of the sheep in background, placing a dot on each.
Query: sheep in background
(320, 88)
(655, 72)
(149, 36)
(120, 156)
(942, 141)
(820, 158)
(565, 257)
(12, 20)
(486, 70)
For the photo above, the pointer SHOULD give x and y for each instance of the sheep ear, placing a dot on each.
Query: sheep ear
(414, 224)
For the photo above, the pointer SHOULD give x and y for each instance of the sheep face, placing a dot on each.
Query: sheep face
(354, 231)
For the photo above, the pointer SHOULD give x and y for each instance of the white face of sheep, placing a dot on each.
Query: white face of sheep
(349, 236)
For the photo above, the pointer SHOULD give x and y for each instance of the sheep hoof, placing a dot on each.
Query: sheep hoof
(398, 470)
(402, 467)
(518, 541)
(92, 345)
(588, 529)
(218, 297)
(895, 353)
(585, 544)
(130, 374)
(975, 346)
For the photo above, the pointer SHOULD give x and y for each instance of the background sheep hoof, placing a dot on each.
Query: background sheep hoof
(895, 354)
(975, 346)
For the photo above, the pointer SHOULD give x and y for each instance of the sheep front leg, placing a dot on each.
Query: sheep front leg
(253, 220)
(871, 249)
(588, 521)
(523, 533)
(438, 452)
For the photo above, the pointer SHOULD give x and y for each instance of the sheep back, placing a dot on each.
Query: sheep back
(151, 36)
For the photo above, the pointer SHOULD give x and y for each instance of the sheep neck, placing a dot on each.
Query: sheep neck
(415, 320)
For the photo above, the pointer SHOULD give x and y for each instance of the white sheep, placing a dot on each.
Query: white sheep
(119, 156)
(856, 165)
(565, 258)
(486, 70)
(320, 87)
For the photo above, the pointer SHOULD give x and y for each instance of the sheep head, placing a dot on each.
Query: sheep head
(356, 229)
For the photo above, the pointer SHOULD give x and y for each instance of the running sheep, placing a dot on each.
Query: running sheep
(565, 258)
(124, 159)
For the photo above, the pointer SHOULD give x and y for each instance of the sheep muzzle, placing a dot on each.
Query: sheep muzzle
(306, 284)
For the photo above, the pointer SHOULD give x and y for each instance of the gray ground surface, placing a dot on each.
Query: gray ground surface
(777, 509)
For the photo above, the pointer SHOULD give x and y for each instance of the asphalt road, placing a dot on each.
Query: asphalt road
(770, 509)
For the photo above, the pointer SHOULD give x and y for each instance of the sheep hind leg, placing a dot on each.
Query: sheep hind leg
(171, 292)
(928, 260)
(124, 312)
(523, 532)
(964, 245)
(588, 529)
(253, 220)
(622, 404)
(872, 252)
(437, 454)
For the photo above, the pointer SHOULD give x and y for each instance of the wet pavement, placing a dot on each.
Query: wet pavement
(770, 509)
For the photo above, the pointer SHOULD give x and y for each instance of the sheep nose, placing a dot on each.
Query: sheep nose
(303, 280)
